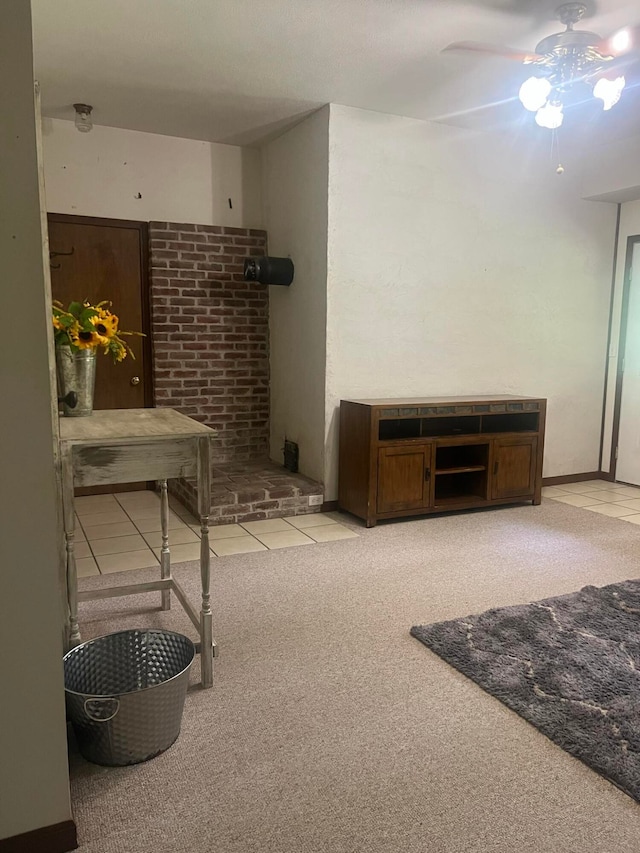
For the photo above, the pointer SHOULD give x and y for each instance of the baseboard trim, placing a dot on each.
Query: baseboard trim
(575, 478)
(329, 506)
(57, 838)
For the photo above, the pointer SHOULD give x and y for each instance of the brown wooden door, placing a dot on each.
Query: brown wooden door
(98, 259)
(514, 467)
(404, 473)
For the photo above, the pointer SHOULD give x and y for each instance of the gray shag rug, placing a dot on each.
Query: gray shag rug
(569, 665)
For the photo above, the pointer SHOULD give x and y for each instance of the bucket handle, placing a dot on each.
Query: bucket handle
(96, 709)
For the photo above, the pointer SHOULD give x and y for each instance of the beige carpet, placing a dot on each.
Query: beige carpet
(329, 728)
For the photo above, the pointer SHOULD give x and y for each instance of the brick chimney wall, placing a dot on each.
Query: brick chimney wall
(211, 332)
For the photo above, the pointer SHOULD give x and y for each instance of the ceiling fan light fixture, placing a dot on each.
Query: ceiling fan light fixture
(550, 115)
(83, 120)
(609, 91)
(534, 92)
(621, 41)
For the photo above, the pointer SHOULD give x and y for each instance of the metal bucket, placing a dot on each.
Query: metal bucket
(125, 694)
(76, 371)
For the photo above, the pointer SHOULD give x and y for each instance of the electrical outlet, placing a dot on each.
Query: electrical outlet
(316, 500)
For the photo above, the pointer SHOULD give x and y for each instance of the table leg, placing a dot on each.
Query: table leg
(204, 508)
(165, 557)
(68, 514)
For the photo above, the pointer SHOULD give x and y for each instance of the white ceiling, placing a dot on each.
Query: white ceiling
(238, 71)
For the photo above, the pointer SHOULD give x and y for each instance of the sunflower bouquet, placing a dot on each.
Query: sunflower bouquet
(83, 326)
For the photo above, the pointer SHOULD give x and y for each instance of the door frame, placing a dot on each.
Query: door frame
(622, 345)
(143, 228)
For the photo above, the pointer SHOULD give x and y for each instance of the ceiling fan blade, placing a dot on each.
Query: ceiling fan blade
(492, 50)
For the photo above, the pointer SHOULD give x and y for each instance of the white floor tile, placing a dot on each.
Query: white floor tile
(608, 495)
(104, 531)
(634, 519)
(86, 513)
(118, 545)
(189, 519)
(127, 561)
(283, 539)
(577, 500)
(148, 525)
(91, 501)
(316, 519)
(139, 512)
(612, 510)
(113, 516)
(82, 550)
(141, 496)
(182, 553)
(225, 531)
(634, 504)
(552, 492)
(86, 567)
(625, 491)
(268, 525)
(583, 488)
(236, 545)
(330, 533)
(177, 536)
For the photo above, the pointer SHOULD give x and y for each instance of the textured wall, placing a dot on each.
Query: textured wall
(460, 263)
(295, 175)
(126, 174)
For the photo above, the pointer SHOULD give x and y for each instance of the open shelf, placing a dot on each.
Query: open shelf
(393, 429)
(464, 425)
(457, 499)
(461, 487)
(461, 470)
(510, 422)
(399, 428)
(460, 458)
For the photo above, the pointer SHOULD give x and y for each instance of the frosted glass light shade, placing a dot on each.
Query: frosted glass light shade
(550, 116)
(534, 93)
(621, 41)
(609, 91)
(83, 120)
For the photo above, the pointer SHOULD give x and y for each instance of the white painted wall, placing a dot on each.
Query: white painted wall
(629, 227)
(34, 789)
(296, 182)
(462, 264)
(180, 180)
(612, 171)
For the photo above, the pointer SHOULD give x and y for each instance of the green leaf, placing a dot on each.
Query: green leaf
(75, 308)
(86, 315)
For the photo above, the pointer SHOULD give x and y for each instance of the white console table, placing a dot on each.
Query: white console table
(132, 445)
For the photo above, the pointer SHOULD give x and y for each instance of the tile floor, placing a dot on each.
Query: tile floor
(613, 499)
(120, 532)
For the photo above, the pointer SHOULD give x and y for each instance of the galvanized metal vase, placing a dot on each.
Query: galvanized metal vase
(76, 372)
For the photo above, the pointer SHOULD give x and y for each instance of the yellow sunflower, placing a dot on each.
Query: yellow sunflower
(103, 329)
(109, 321)
(84, 340)
(57, 324)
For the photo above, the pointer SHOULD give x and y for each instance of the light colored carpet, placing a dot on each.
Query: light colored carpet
(330, 728)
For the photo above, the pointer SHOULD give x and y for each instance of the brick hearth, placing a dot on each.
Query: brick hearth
(211, 362)
(249, 491)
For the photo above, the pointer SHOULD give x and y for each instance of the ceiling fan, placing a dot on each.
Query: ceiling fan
(562, 60)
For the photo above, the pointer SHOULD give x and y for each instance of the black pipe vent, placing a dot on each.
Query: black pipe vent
(269, 270)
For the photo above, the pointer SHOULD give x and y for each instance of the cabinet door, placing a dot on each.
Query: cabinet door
(514, 467)
(404, 475)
